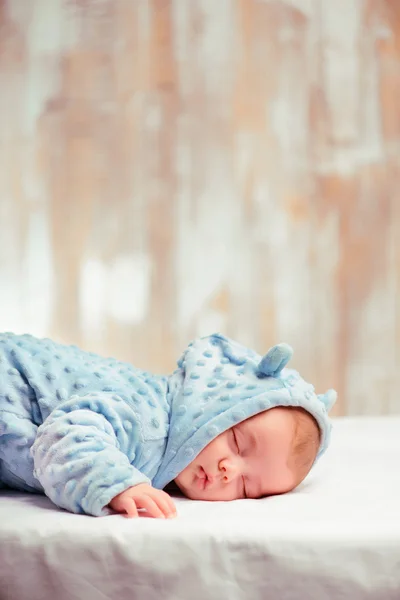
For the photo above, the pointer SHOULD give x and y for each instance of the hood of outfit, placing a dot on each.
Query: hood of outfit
(83, 428)
(220, 383)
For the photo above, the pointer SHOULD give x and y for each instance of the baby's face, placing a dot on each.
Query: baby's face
(249, 460)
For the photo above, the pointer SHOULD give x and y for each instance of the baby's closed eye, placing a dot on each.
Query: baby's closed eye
(235, 442)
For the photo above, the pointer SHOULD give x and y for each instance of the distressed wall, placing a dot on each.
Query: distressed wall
(170, 168)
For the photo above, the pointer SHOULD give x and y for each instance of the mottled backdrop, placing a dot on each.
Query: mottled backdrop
(171, 167)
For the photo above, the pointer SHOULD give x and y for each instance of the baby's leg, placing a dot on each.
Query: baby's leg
(17, 430)
(17, 434)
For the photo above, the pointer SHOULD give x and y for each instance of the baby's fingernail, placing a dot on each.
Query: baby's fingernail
(171, 516)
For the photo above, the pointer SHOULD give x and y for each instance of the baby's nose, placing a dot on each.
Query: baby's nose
(229, 470)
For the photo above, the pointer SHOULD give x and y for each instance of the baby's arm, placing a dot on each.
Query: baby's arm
(81, 453)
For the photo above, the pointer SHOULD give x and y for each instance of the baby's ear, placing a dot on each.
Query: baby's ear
(328, 399)
(275, 360)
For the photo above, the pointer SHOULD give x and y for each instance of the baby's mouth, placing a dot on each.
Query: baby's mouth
(203, 480)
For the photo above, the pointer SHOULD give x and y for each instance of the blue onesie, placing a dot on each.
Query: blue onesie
(81, 428)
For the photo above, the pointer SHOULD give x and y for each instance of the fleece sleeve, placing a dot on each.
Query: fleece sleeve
(83, 452)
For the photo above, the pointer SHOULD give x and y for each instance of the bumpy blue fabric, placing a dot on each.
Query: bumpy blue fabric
(82, 428)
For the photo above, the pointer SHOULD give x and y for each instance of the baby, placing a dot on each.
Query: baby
(96, 434)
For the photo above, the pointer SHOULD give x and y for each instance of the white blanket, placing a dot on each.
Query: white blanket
(336, 536)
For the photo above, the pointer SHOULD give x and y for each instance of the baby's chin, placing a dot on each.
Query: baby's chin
(186, 490)
(194, 494)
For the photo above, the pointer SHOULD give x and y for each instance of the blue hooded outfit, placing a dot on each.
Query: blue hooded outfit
(81, 428)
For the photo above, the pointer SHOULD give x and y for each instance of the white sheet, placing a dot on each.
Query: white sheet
(337, 536)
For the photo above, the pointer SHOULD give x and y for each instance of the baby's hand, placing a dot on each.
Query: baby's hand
(157, 503)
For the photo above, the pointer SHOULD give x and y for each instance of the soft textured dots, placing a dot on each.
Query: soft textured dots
(13, 372)
(224, 360)
(44, 362)
(188, 392)
(108, 388)
(194, 376)
(135, 399)
(62, 394)
(155, 423)
(128, 426)
(68, 369)
(57, 356)
(70, 486)
(97, 374)
(11, 398)
(218, 368)
(62, 431)
(79, 384)
(240, 371)
(231, 384)
(189, 452)
(238, 415)
(213, 430)
(212, 384)
(151, 402)
(57, 413)
(142, 391)
(181, 410)
(198, 414)
(251, 386)
(19, 344)
(208, 354)
(201, 363)
(225, 397)
(50, 376)
(116, 398)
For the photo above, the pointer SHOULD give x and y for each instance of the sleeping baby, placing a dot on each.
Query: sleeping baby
(97, 435)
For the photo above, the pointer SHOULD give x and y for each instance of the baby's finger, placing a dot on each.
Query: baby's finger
(165, 503)
(151, 506)
(128, 506)
(171, 504)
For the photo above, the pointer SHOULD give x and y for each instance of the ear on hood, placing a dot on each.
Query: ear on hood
(275, 360)
(328, 399)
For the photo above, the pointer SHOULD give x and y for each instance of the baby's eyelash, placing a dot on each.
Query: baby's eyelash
(236, 442)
